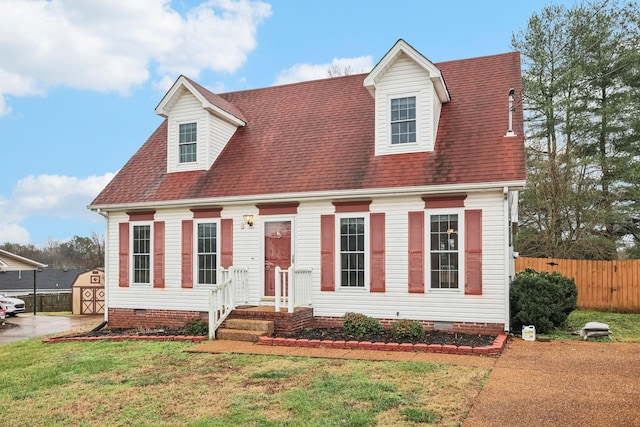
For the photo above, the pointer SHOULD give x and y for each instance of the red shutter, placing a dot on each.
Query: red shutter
(187, 253)
(327, 259)
(377, 270)
(416, 252)
(158, 254)
(123, 254)
(226, 243)
(473, 252)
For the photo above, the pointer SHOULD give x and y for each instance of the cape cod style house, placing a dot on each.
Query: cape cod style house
(391, 194)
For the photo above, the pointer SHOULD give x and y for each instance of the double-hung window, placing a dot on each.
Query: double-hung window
(445, 251)
(403, 120)
(141, 240)
(352, 252)
(188, 134)
(207, 247)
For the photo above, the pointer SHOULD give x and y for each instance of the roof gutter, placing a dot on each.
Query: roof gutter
(318, 195)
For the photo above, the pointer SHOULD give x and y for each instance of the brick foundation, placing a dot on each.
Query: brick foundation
(150, 318)
(285, 323)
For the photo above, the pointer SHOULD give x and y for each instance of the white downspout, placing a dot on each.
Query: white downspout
(508, 258)
(105, 215)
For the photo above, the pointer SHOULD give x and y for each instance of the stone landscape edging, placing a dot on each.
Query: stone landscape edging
(493, 350)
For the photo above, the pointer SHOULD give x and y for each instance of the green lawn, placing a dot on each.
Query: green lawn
(157, 384)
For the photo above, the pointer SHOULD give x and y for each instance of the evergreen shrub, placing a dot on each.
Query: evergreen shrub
(361, 325)
(541, 299)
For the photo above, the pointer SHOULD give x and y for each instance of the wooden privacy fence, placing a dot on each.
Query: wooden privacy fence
(602, 285)
(47, 302)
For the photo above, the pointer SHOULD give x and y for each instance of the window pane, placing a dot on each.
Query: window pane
(403, 120)
(352, 252)
(188, 135)
(141, 248)
(444, 251)
(207, 253)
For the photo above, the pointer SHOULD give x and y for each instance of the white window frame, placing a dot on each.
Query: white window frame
(132, 273)
(461, 248)
(196, 276)
(390, 98)
(178, 125)
(367, 252)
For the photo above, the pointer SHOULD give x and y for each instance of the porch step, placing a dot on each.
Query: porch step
(245, 330)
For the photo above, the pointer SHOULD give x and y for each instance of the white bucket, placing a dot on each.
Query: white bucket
(529, 333)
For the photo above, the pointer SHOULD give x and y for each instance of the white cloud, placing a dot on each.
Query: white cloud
(304, 72)
(13, 233)
(53, 196)
(111, 46)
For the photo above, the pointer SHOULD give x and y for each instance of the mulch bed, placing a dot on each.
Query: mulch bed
(431, 337)
(333, 334)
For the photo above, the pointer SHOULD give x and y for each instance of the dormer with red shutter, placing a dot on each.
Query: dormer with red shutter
(200, 123)
(409, 91)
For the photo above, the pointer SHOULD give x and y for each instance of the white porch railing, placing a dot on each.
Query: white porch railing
(293, 288)
(224, 297)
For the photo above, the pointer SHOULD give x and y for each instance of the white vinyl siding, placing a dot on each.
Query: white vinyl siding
(394, 303)
(405, 78)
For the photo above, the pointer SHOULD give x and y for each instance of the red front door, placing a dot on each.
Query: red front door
(277, 252)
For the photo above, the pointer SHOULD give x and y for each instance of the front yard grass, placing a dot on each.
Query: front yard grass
(157, 383)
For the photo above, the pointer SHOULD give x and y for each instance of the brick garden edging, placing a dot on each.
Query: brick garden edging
(192, 338)
(493, 350)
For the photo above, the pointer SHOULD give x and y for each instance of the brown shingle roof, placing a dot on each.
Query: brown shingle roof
(319, 136)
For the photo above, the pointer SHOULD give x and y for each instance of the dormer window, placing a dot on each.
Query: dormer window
(188, 140)
(403, 120)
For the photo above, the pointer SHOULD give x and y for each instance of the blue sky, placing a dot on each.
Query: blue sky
(79, 80)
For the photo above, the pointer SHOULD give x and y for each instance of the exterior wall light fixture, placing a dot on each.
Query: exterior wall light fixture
(249, 220)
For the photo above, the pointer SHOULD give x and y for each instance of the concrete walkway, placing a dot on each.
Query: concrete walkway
(29, 326)
(541, 384)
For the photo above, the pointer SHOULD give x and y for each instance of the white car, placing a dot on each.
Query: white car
(12, 306)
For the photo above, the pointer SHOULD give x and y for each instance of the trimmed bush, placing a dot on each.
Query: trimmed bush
(361, 325)
(407, 330)
(541, 299)
(196, 327)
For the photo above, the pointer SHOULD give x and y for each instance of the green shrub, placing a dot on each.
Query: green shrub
(407, 330)
(196, 327)
(361, 325)
(541, 299)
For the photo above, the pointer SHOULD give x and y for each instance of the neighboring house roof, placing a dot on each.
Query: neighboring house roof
(46, 279)
(12, 262)
(318, 136)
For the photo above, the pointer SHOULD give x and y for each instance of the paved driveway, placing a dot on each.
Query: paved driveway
(29, 326)
(561, 383)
